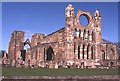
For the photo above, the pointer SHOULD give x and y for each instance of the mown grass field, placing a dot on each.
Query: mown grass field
(13, 71)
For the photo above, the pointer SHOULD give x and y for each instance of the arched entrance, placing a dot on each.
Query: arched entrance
(49, 54)
(27, 46)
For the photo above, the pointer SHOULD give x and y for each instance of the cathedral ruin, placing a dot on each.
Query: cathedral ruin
(74, 45)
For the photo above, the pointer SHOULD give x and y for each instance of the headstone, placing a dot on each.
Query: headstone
(13, 62)
(56, 66)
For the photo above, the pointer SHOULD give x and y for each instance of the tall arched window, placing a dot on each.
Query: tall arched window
(44, 54)
(92, 52)
(75, 30)
(84, 34)
(112, 54)
(93, 39)
(83, 51)
(88, 34)
(74, 48)
(26, 47)
(88, 52)
(78, 51)
(103, 55)
(79, 32)
(49, 54)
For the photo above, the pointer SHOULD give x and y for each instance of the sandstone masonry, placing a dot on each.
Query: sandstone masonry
(74, 45)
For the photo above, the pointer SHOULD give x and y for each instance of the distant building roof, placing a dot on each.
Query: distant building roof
(106, 41)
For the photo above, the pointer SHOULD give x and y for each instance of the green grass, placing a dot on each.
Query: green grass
(12, 71)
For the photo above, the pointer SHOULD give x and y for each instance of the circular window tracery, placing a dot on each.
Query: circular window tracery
(84, 20)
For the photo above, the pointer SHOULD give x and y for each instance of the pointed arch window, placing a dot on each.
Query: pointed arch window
(75, 30)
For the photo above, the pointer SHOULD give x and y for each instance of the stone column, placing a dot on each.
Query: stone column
(90, 36)
(38, 53)
(76, 52)
(90, 53)
(81, 35)
(81, 51)
(77, 34)
(96, 52)
(85, 52)
(86, 35)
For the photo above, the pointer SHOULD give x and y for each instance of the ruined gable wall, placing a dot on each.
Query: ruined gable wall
(15, 44)
(54, 37)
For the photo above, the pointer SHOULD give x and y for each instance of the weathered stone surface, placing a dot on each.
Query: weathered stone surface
(74, 45)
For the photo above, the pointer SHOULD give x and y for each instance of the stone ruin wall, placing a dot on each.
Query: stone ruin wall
(15, 44)
(68, 43)
(55, 40)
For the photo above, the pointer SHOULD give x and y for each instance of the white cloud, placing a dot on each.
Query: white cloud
(28, 34)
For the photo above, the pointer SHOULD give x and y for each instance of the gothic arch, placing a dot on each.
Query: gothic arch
(49, 54)
(23, 51)
(92, 52)
(27, 42)
(88, 49)
(93, 37)
(75, 30)
(74, 47)
(112, 54)
(84, 34)
(103, 55)
(83, 51)
(78, 51)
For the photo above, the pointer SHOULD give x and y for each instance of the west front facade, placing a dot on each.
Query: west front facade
(73, 46)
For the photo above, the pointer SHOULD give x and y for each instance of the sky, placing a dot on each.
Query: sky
(47, 17)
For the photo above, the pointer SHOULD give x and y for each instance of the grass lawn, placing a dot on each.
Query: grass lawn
(11, 71)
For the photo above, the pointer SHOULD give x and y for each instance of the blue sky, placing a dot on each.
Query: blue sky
(39, 17)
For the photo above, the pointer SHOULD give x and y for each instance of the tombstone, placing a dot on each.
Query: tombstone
(50, 64)
(56, 66)
(13, 62)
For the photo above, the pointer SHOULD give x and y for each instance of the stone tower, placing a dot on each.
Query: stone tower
(15, 45)
(69, 35)
(97, 32)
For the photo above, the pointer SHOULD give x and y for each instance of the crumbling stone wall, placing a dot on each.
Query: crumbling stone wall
(15, 45)
(109, 55)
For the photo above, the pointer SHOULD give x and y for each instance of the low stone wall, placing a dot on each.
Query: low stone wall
(61, 78)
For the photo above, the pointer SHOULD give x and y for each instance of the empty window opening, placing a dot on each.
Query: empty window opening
(93, 39)
(75, 30)
(44, 54)
(24, 51)
(74, 48)
(112, 55)
(84, 20)
(78, 52)
(79, 32)
(92, 52)
(87, 51)
(83, 51)
(49, 54)
(103, 55)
